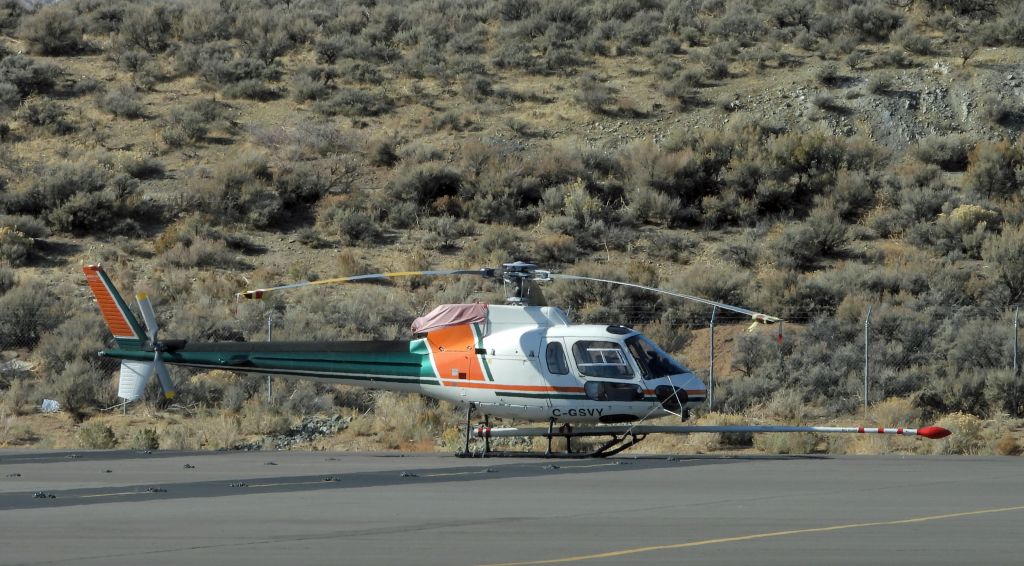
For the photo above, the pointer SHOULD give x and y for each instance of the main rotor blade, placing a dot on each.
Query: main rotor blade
(165, 376)
(932, 432)
(148, 315)
(258, 293)
(759, 317)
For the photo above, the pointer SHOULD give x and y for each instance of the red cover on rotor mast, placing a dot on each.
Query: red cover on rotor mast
(450, 315)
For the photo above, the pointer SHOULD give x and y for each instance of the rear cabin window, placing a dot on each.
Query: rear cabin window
(555, 355)
(598, 358)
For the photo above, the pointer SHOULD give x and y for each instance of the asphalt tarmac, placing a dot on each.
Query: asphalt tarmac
(123, 507)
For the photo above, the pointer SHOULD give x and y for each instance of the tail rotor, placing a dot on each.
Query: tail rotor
(152, 330)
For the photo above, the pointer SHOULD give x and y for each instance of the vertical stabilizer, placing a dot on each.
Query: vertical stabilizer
(127, 332)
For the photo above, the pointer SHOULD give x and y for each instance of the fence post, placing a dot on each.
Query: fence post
(867, 359)
(711, 370)
(270, 336)
(1016, 326)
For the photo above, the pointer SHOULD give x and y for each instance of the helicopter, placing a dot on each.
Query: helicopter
(520, 360)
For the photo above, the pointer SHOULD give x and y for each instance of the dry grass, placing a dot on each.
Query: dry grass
(180, 437)
(967, 438)
(256, 418)
(411, 421)
(222, 432)
(14, 431)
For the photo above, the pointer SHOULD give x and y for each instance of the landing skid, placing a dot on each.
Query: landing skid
(615, 445)
(618, 442)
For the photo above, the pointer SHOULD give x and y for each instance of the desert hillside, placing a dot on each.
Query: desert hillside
(810, 159)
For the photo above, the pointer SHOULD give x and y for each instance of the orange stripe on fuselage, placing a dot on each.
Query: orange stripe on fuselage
(108, 306)
(505, 386)
(453, 350)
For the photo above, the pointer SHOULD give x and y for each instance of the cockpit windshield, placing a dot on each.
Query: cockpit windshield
(653, 361)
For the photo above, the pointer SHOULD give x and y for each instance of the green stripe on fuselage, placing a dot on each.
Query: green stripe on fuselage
(478, 335)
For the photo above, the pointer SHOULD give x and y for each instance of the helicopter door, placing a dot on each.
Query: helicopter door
(555, 364)
(606, 371)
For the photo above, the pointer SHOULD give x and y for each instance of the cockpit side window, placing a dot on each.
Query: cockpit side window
(652, 360)
(555, 356)
(600, 358)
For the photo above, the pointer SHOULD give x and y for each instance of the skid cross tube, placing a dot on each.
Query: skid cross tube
(619, 441)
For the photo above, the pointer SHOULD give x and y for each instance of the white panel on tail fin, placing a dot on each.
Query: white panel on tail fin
(134, 376)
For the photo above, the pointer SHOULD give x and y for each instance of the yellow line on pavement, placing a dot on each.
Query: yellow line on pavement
(639, 550)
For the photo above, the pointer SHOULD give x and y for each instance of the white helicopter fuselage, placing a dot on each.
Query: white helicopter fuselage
(531, 363)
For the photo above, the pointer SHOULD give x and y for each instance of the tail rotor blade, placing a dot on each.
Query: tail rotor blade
(165, 376)
(148, 315)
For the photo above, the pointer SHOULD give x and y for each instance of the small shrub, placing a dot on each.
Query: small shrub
(827, 74)
(354, 102)
(124, 102)
(380, 151)
(48, 115)
(593, 94)
(786, 443)
(948, 152)
(10, 98)
(424, 183)
(301, 184)
(96, 436)
(192, 123)
(892, 58)
(1007, 445)
(361, 71)
(555, 248)
(147, 26)
(14, 246)
(444, 232)
(873, 21)
(826, 102)
(222, 433)
(801, 245)
(28, 225)
(995, 170)
(966, 438)
(144, 168)
(30, 312)
(725, 440)
(199, 252)
(181, 437)
(53, 30)
(28, 76)
(346, 219)
(996, 111)
(89, 212)
(477, 88)
(141, 439)
(879, 84)
(306, 87)
(913, 40)
(1005, 393)
(258, 418)
(496, 244)
(8, 279)
(252, 89)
